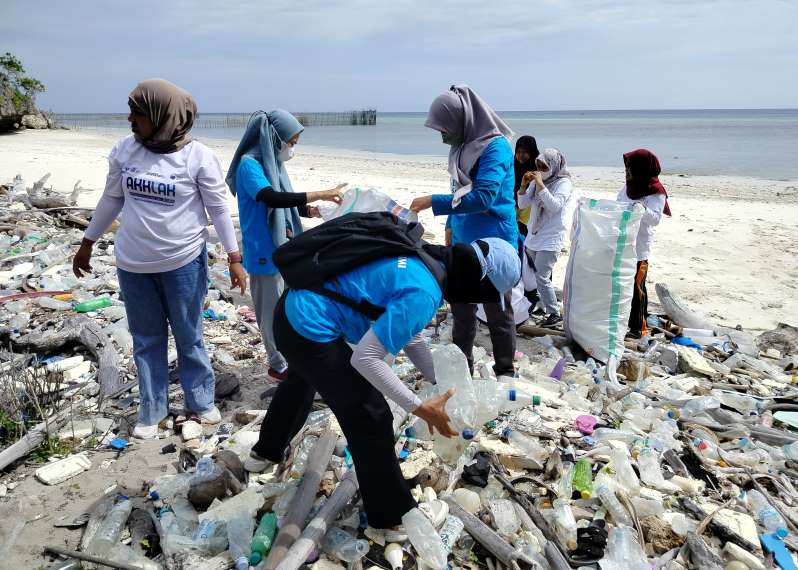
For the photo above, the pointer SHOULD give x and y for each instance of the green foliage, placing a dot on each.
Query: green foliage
(50, 447)
(24, 88)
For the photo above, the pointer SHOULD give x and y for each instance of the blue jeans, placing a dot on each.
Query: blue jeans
(176, 297)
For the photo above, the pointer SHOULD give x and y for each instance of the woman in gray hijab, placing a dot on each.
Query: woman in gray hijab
(481, 204)
(269, 211)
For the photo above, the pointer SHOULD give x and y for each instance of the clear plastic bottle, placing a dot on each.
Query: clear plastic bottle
(425, 539)
(505, 519)
(607, 434)
(450, 532)
(107, 535)
(526, 445)
(166, 487)
(239, 537)
(624, 552)
(369, 200)
(700, 405)
(746, 405)
(263, 539)
(394, 555)
(565, 486)
(613, 505)
(451, 371)
(651, 472)
(54, 304)
(565, 523)
(343, 545)
(791, 451)
(626, 477)
(766, 514)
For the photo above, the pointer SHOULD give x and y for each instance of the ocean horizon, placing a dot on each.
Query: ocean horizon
(735, 142)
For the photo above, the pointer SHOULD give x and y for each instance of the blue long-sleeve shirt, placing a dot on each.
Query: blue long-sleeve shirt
(489, 209)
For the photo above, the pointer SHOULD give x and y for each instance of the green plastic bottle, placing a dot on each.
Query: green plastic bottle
(93, 305)
(583, 478)
(262, 541)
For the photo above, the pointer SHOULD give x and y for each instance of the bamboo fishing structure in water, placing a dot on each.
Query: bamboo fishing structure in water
(367, 117)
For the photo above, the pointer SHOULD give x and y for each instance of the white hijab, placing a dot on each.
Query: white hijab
(462, 113)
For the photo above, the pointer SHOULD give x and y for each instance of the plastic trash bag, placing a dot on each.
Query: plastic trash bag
(599, 280)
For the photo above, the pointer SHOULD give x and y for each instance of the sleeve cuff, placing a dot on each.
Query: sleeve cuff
(441, 204)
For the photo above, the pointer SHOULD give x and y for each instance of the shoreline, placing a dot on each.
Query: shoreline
(730, 248)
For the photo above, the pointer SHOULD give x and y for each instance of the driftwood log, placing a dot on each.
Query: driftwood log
(33, 438)
(85, 331)
(302, 502)
(319, 524)
(90, 558)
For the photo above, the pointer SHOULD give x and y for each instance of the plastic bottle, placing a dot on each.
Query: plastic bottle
(791, 451)
(369, 200)
(766, 514)
(700, 405)
(565, 486)
(606, 434)
(343, 545)
(239, 537)
(168, 486)
(264, 536)
(650, 471)
(451, 371)
(425, 539)
(302, 455)
(450, 532)
(107, 535)
(526, 445)
(624, 552)
(746, 405)
(625, 474)
(93, 305)
(505, 519)
(54, 304)
(613, 505)
(207, 483)
(583, 478)
(565, 523)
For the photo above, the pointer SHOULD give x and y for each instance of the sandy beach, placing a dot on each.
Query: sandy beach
(730, 248)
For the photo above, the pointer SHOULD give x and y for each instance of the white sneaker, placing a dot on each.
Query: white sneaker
(140, 431)
(212, 416)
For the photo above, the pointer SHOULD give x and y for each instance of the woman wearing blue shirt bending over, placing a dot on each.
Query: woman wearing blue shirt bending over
(482, 204)
(269, 211)
(312, 331)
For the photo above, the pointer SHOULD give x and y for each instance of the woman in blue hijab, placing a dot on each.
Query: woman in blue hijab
(269, 211)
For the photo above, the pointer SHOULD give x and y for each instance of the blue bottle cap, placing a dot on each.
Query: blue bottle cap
(468, 434)
(781, 532)
(511, 395)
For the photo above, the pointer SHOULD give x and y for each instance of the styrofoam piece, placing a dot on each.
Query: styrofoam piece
(74, 373)
(65, 364)
(733, 552)
(59, 471)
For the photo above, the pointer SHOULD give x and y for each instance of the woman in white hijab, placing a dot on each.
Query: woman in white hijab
(548, 192)
(481, 205)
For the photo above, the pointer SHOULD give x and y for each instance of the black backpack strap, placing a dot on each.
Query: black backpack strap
(370, 310)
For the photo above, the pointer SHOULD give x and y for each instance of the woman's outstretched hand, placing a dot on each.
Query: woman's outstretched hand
(432, 411)
(422, 203)
(335, 194)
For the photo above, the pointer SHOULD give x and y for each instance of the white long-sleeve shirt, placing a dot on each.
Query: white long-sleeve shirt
(550, 215)
(163, 199)
(654, 206)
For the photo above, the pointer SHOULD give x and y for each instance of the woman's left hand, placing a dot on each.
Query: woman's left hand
(538, 179)
(422, 203)
(238, 277)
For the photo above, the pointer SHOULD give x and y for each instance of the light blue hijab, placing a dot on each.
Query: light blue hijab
(265, 134)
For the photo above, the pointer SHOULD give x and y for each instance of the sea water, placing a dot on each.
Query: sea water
(757, 143)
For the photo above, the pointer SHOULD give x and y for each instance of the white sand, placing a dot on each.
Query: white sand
(730, 248)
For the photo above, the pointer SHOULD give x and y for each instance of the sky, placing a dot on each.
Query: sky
(397, 55)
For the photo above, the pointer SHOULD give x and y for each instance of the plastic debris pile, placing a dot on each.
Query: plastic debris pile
(685, 457)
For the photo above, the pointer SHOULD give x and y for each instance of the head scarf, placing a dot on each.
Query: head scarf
(644, 167)
(463, 113)
(171, 110)
(530, 145)
(558, 168)
(480, 272)
(265, 135)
